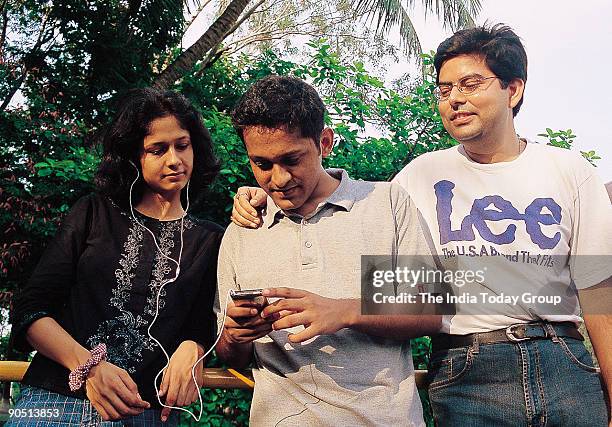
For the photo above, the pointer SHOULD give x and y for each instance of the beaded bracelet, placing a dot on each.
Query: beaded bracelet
(77, 377)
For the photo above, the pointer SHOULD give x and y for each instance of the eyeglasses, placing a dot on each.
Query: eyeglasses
(467, 86)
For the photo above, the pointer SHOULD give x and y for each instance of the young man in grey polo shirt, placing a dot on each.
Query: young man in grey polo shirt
(319, 360)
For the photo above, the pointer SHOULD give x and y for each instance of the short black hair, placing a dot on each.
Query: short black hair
(281, 102)
(500, 47)
(123, 140)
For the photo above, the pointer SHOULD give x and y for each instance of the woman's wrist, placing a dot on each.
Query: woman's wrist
(78, 357)
(199, 347)
(77, 376)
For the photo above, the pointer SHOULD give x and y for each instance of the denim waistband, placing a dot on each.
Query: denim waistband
(512, 334)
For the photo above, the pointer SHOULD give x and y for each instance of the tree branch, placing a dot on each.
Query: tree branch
(27, 62)
(4, 27)
(213, 52)
(269, 7)
(197, 13)
(212, 37)
(408, 157)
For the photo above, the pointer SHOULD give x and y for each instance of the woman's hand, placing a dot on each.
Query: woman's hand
(177, 383)
(113, 393)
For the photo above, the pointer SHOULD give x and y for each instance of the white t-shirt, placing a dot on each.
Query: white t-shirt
(536, 228)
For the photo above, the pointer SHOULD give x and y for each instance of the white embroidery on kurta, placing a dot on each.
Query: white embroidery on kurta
(126, 335)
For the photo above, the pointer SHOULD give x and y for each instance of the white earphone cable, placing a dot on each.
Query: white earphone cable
(177, 272)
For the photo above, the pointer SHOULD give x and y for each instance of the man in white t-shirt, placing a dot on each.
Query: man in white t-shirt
(538, 221)
(535, 221)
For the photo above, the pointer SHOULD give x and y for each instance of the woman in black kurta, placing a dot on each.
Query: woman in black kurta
(100, 276)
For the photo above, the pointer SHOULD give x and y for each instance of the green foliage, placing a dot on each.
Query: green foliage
(235, 169)
(222, 408)
(79, 166)
(360, 106)
(565, 139)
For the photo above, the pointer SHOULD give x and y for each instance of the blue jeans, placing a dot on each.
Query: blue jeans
(43, 408)
(531, 383)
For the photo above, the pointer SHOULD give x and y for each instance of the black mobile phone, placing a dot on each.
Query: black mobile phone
(244, 294)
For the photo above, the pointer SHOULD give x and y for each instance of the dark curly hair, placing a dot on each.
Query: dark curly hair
(123, 139)
(500, 47)
(280, 102)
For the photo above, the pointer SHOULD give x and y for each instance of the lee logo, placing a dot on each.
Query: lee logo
(479, 214)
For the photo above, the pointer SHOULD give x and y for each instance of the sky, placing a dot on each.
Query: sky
(569, 49)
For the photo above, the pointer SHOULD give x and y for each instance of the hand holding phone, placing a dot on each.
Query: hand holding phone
(254, 295)
(244, 322)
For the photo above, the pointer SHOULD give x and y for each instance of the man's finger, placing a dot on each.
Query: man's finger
(304, 335)
(247, 322)
(252, 335)
(241, 312)
(285, 293)
(258, 302)
(290, 321)
(256, 330)
(243, 218)
(258, 197)
(277, 307)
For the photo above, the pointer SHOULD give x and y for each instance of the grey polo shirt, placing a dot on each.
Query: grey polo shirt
(347, 378)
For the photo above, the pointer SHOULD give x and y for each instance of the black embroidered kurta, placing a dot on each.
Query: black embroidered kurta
(99, 279)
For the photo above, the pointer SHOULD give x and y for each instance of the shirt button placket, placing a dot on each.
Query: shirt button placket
(308, 249)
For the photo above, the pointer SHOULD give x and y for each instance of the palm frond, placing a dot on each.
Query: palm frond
(454, 14)
(388, 14)
(457, 14)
